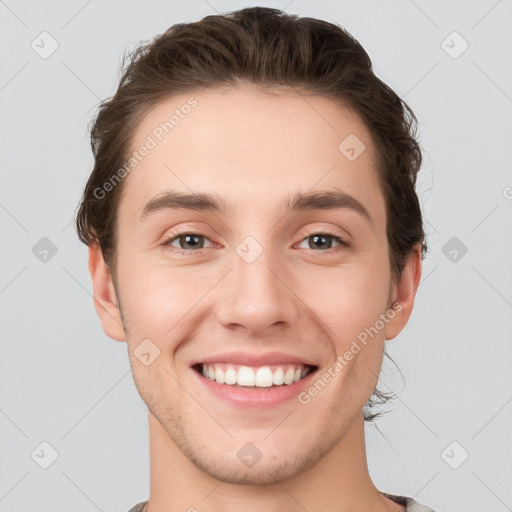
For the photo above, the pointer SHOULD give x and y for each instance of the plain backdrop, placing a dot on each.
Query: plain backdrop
(68, 400)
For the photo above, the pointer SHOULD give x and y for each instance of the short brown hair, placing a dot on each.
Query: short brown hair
(268, 48)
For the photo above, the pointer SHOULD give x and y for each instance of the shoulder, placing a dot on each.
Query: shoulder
(410, 503)
(139, 507)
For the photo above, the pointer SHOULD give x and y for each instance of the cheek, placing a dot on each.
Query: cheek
(156, 299)
(351, 307)
(351, 299)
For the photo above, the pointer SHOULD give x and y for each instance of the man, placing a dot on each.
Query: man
(255, 238)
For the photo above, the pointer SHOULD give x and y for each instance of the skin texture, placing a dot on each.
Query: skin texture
(254, 149)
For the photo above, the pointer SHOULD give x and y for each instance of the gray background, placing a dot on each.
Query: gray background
(64, 382)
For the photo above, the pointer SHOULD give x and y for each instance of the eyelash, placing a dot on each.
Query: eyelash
(343, 244)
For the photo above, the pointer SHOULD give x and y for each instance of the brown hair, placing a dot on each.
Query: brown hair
(268, 48)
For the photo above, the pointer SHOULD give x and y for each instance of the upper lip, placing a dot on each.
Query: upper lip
(247, 359)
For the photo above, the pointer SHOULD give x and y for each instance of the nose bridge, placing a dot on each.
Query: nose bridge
(256, 295)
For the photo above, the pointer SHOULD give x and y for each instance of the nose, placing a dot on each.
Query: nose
(257, 296)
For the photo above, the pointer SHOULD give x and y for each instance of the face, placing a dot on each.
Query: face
(261, 281)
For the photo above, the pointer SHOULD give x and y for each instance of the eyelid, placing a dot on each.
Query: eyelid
(339, 233)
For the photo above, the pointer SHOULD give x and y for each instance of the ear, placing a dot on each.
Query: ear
(404, 293)
(105, 298)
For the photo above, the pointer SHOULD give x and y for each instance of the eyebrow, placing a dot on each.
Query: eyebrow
(326, 200)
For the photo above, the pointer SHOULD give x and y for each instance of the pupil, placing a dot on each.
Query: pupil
(317, 237)
(188, 237)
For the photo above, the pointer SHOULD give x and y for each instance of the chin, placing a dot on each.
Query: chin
(262, 474)
(269, 471)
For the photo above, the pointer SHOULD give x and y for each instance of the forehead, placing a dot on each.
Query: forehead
(252, 148)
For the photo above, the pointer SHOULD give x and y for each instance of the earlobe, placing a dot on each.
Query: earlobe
(105, 299)
(405, 292)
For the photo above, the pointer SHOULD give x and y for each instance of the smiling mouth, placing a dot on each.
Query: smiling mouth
(255, 378)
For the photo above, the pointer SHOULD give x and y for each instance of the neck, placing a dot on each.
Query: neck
(339, 482)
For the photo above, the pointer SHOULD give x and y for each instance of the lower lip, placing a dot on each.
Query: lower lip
(262, 398)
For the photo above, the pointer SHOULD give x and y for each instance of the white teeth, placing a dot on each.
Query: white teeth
(245, 376)
(229, 376)
(219, 375)
(288, 376)
(278, 377)
(262, 377)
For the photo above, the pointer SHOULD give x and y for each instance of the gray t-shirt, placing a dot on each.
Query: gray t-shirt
(412, 505)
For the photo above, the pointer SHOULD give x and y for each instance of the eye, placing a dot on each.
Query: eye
(324, 241)
(188, 243)
(191, 244)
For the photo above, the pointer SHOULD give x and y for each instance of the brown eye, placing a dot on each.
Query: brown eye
(324, 241)
(187, 242)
